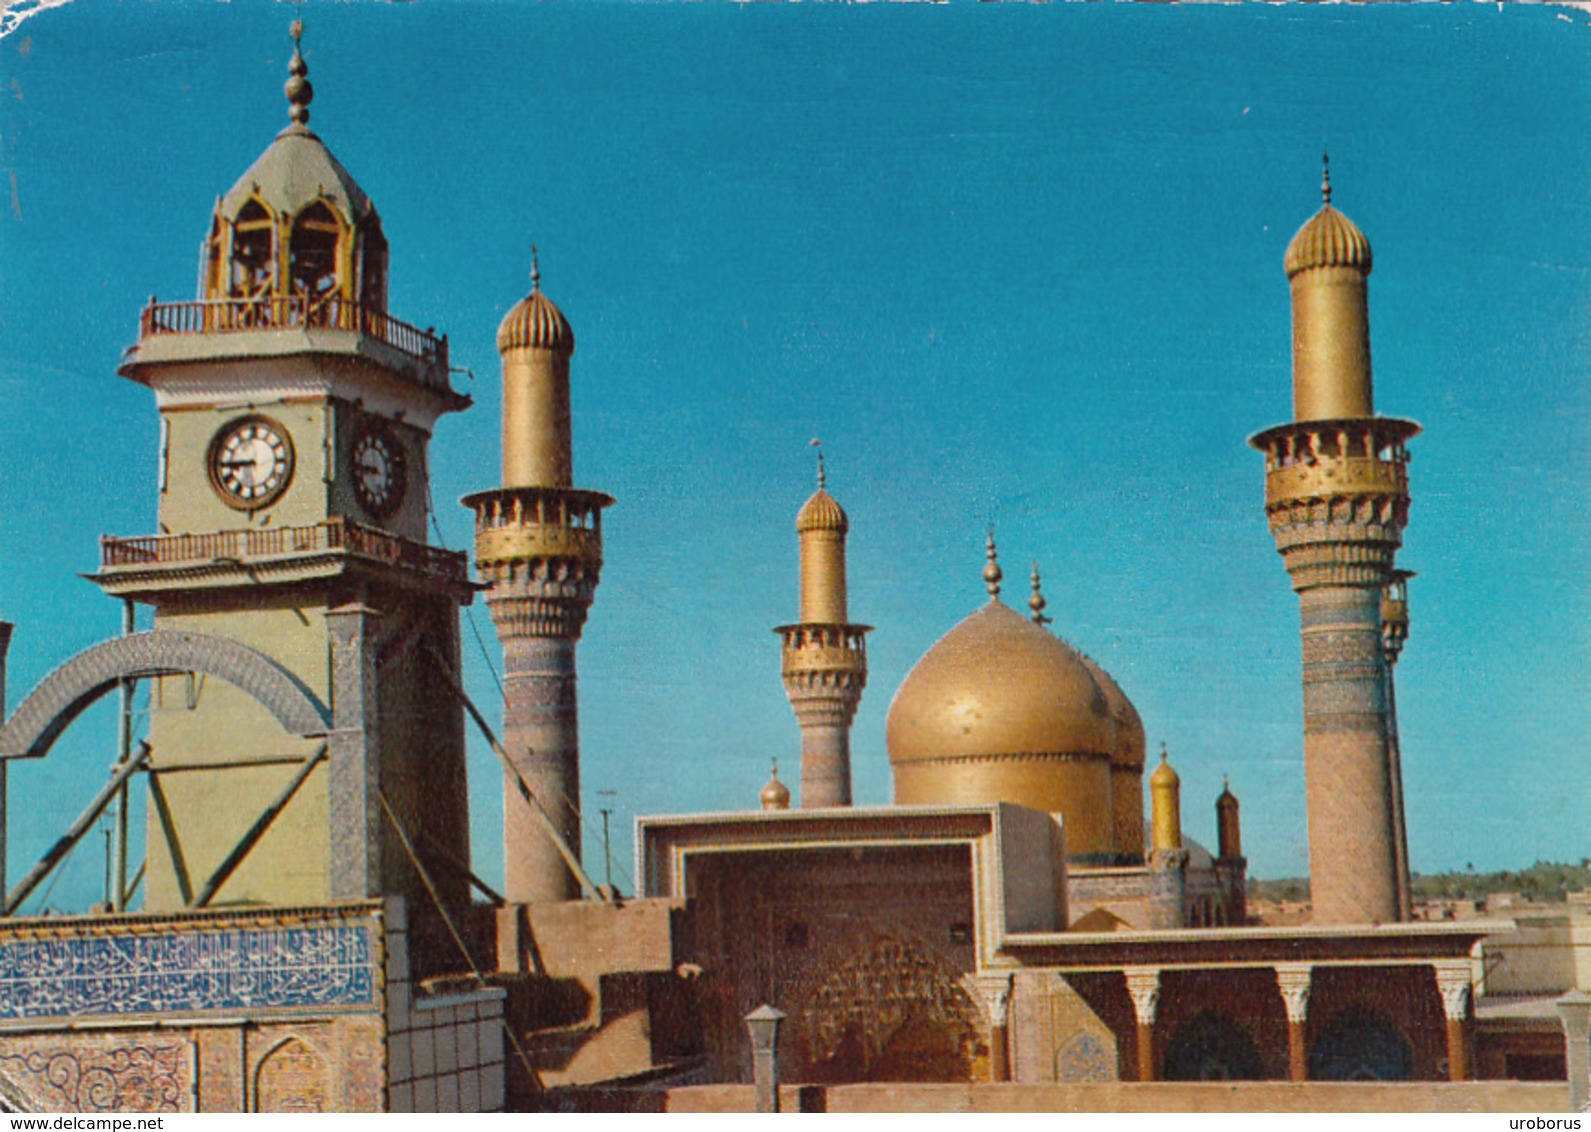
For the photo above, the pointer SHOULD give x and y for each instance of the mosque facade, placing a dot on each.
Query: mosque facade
(313, 936)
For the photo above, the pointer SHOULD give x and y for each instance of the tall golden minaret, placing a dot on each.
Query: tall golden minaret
(1337, 497)
(825, 656)
(538, 545)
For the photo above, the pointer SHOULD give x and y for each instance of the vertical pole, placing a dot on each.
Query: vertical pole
(5, 645)
(607, 844)
(124, 751)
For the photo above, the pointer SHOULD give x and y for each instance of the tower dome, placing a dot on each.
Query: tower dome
(822, 513)
(296, 208)
(1002, 710)
(1327, 239)
(535, 322)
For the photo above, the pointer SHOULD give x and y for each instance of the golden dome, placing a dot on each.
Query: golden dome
(822, 513)
(1327, 239)
(1130, 740)
(1164, 775)
(1227, 800)
(535, 322)
(775, 795)
(998, 685)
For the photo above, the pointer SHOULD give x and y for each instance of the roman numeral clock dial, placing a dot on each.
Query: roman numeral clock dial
(251, 462)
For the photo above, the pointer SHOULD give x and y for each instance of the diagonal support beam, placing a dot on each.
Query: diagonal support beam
(256, 831)
(541, 815)
(61, 848)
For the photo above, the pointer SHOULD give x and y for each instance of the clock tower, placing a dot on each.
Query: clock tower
(293, 502)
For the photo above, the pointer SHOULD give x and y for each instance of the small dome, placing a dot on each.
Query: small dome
(998, 685)
(1328, 239)
(822, 513)
(1227, 802)
(1164, 775)
(1130, 739)
(775, 795)
(535, 323)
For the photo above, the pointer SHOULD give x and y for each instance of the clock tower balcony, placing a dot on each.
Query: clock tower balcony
(274, 326)
(157, 568)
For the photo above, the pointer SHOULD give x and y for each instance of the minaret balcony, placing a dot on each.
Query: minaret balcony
(520, 524)
(1335, 459)
(147, 566)
(271, 325)
(824, 648)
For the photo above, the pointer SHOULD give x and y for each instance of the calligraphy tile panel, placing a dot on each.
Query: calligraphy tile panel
(187, 971)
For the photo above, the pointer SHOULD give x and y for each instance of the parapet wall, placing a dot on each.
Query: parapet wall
(1247, 1096)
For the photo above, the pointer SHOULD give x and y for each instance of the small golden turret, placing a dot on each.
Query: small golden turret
(536, 342)
(1328, 264)
(1165, 793)
(775, 795)
(1229, 836)
(822, 527)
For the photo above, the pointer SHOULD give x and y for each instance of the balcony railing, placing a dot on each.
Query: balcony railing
(240, 546)
(226, 316)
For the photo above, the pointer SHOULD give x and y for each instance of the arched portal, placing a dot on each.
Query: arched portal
(64, 694)
(1212, 1047)
(1359, 1046)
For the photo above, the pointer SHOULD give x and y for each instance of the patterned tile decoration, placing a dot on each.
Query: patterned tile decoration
(79, 1074)
(187, 971)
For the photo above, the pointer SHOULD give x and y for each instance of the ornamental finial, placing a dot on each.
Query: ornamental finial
(535, 269)
(823, 476)
(991, 572)
(1037, 603)
(298, 89)
(1325, 178)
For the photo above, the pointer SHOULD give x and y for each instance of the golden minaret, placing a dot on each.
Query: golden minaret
(824, 655)
(1337, 497)
(538, 546)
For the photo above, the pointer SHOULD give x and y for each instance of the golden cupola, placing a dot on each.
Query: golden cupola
(775, 795)
(1001, 710)
(1165, 794)
(536, 343)
(822, 526)
(1328, 265)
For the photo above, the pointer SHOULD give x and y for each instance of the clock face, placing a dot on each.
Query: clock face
(379, 477)
(251, 462)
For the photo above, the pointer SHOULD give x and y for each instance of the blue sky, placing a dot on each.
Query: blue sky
(1014, 264)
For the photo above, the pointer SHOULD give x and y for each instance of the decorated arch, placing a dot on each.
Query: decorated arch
(64, 694)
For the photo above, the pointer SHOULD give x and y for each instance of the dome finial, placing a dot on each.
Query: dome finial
(1037, 603)
(991, 572)
(298, 89)
(535, 269)
(1325, 178)
(823, 476)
